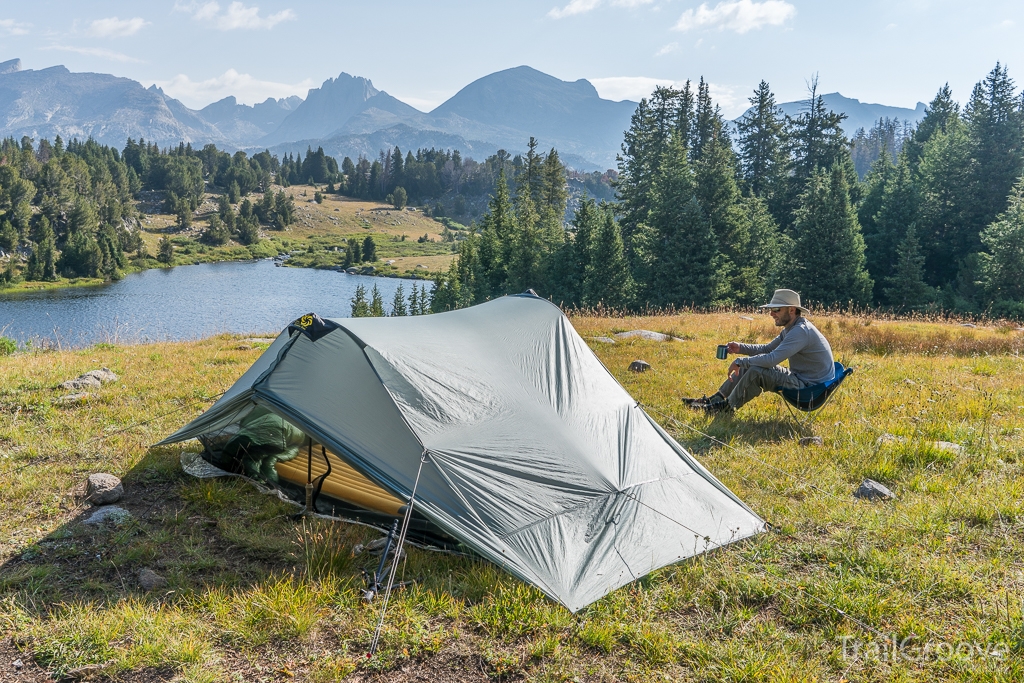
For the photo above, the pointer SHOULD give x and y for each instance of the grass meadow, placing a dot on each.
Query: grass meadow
(926, 587)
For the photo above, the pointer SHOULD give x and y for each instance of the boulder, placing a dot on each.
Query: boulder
(812, 441)
(745, 317)
(639, 366)
(80, 383)
(948, 446)
(149, 580)
(872, 490)
(889, 438)
(93, 379)
(109, 514)
(103, 489)
(603, 340)
(104, 375)
(646, 334)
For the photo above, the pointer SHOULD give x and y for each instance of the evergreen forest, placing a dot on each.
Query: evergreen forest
(700, 211)
(708, 216)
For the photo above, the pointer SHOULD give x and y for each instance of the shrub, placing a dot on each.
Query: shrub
(7, 346)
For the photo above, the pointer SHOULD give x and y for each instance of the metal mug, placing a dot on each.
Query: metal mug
(722, 352)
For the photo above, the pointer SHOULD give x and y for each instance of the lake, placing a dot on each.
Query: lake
(186, 302)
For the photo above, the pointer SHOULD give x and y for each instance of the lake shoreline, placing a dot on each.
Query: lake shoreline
(186, 303)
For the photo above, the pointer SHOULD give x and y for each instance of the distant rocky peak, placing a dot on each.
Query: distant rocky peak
(10, 66)
(348, 84)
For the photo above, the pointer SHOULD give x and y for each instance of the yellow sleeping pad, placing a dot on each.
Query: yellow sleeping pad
(344, 483)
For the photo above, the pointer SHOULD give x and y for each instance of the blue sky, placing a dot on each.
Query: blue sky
(894, 52)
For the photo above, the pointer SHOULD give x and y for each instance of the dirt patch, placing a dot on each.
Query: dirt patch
(28, 671)
(452, 665)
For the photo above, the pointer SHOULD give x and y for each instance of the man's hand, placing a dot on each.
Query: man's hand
(733, 347)
(734, 370)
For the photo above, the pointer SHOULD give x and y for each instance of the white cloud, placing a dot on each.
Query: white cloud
(737, 15)
(245, 88)
(584, 6)
(10, 27)
(1007, 23)
(236, 16)
(732, 103)
(101, 52)
(667, 49)
(112, 27)
(628, 87)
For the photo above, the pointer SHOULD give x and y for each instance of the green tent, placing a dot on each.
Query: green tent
(533, 456)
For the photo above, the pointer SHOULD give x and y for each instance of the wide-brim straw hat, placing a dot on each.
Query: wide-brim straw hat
(783, 298)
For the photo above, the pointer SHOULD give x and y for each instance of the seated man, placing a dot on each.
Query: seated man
(800, 342)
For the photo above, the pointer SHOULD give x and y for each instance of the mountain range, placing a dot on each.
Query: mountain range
(859, 114)
(346, 115)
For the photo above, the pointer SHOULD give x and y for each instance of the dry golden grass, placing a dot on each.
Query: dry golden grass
(941, 566)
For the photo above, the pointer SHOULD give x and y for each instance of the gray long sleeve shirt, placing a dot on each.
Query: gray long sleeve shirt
(809, 354)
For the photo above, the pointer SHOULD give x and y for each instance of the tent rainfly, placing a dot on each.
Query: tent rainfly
(533, 455)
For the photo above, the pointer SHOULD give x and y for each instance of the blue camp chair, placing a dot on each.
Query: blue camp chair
(812, 398)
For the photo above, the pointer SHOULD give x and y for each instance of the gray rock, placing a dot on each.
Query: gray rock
(745, 317)
(93, 379)
(889, 438)
(103, 489)
(149, 580)
(948, 446)
(109, 514)
(872, 490)
(646, 334)
(104, 375)
(603, 340)
(967, 325)
(80, 383)
(812, 441)
(639, 366)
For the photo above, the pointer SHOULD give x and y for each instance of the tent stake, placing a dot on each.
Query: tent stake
(397, 555)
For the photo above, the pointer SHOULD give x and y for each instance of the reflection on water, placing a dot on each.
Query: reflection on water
(187, 302)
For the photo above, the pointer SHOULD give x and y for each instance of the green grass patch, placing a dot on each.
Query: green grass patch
(252, 593)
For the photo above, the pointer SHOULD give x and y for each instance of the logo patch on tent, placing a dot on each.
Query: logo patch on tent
(313, 326)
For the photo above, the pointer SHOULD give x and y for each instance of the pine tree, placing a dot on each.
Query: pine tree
(607, 280)
(1003, 265)
(996, 128)
(944, 174)
(577, 252)
(817, 142)
(376, 303)
(719, 196)
(906, 288)
(654, 121)
(369, 251)
(939, 112)
(353, 252)
(398, 307)
(9, 236)
(423, 306)
(414, 300)
(762, 145)
(525, 257)
(165, 252)
(829, 248)
(360, 306)
(685, 248)
(766, 266)
(875, 183)
(899, 210)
